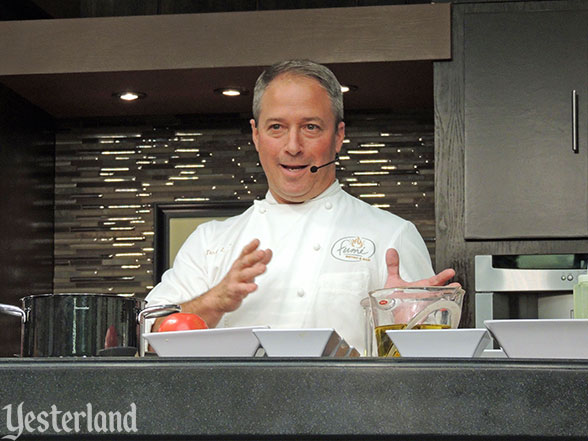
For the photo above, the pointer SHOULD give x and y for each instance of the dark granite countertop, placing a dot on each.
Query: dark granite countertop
(265, 398)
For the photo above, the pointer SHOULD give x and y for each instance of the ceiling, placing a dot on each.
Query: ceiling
(395, 86)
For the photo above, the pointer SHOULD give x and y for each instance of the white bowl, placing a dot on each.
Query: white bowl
(441, 343)
(215, 342)
(541, 338)
(493, 353)
(312, 342)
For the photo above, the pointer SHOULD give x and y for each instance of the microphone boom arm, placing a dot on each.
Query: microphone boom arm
(314, 168)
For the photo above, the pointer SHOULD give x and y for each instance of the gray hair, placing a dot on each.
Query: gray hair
(305, 68)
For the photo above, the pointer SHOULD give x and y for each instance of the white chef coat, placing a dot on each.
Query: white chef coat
(328, 253)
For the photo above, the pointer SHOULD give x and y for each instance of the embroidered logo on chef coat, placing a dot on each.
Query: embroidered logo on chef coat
(353, 249)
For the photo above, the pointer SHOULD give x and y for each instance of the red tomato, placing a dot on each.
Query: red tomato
(182, 321)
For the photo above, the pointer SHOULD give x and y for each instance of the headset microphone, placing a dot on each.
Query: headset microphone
(314, 168)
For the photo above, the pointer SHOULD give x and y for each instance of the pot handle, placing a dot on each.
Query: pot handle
(157, 311)
(12, 310)
(153, 312)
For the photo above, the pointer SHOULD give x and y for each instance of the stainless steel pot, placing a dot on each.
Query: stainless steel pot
(63, 325)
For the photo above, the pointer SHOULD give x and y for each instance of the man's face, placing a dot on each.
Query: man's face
(296, 130)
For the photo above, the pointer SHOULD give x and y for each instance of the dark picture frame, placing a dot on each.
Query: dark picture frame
(164, 215)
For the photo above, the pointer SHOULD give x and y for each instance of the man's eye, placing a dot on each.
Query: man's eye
(312, 127)
(275, 127)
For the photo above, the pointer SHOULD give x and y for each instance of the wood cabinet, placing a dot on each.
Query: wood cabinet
(526, 137)
(459, 108)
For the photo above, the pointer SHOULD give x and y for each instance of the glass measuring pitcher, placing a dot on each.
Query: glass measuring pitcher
(430, 307)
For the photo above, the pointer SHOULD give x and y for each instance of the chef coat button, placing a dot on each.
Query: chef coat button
(316, 246)
(262, 210)
(328, 205)
(300, 292)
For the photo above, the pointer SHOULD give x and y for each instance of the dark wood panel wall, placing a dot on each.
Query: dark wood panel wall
(26, 221)
(108, 178)
(229, 39)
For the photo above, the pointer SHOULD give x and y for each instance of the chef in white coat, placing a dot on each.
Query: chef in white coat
(306, 255)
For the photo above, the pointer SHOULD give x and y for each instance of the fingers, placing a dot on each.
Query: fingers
(250, 273)
(393, 268)
(251, 246)
(241, 290)
(239, 282)
(248, 250)
(394, 279)
(250, 255)
(250, 264)
(268, 256)
(442, 278)
(392, 257)
(393, 262)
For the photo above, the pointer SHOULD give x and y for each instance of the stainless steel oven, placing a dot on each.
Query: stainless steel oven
(526, 285)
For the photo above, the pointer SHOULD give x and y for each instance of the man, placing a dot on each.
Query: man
(308, 253)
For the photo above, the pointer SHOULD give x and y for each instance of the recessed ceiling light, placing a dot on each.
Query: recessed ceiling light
(231, 91)
(129, 95)
(348, 88)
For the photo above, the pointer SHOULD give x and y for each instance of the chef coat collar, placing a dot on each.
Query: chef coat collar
(332, 190)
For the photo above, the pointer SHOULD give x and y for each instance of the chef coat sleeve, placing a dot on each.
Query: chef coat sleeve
(186, 279)
(415, 260)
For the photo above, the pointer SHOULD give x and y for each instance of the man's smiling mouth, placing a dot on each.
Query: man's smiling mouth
(294, 167)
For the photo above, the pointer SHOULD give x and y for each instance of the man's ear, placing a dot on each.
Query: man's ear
(340, 136)
(254, 133)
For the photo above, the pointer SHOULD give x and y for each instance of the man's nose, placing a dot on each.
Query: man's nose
(294, 142)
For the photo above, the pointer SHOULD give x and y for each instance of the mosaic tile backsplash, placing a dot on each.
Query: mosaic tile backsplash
(108, 179)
